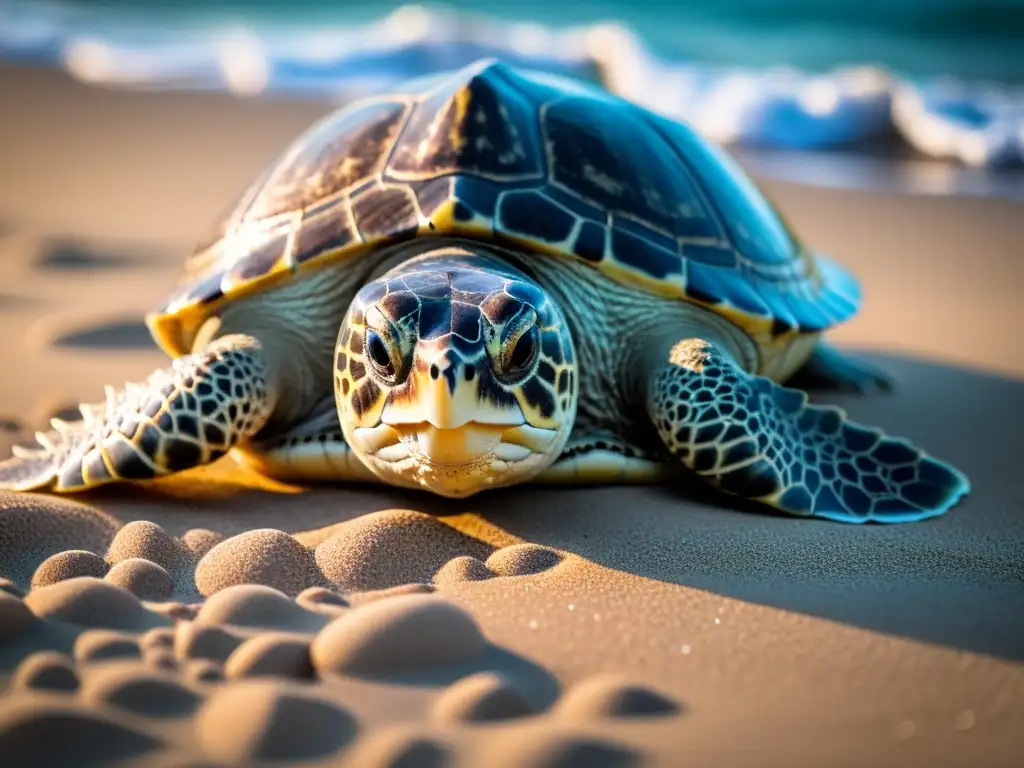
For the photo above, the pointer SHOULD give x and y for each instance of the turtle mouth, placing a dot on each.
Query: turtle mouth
(472, 446)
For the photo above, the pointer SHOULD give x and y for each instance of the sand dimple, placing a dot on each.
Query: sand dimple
(162, 659)
(133, 686)
(160, 637)
(91, 602)
(255, 676)
(552, 749)
(403, 633)
(610, 695)
(390, 548)
(266, 556)
(278, 631)
(45, 671)
(399, 748)
(279, 724)
(276, 654)
(104, 644)
(143, 578)
(195, 641)
(203, 671)
(485, 696)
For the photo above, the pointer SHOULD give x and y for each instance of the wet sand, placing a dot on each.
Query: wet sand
(611, 626)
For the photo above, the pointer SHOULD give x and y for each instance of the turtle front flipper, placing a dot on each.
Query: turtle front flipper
(186, 415)
(758, 440)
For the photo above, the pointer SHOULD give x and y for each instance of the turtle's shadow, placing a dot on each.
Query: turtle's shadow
(956, 580)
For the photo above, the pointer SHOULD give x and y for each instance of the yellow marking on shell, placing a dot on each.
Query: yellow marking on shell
(174, 330)
(460, 99)
(446, 224)
(770, 348)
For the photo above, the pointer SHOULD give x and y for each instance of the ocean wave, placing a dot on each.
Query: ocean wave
(977, 124)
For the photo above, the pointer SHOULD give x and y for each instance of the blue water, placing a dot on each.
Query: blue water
(942, 78)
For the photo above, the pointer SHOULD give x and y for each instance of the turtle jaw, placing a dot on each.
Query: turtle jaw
(456, 462)
(455, 435)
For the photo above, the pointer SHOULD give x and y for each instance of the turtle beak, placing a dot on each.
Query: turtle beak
(446, 416)
(462, 446)
(447, 394)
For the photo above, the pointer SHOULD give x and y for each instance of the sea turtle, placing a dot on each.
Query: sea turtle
(495, 276)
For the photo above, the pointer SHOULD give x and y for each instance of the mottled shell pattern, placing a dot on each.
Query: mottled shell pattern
(531, 161)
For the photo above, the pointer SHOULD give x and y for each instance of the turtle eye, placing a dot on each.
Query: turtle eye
(520, 357)
(377, 351)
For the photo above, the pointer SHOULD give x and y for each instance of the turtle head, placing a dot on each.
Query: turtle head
(455, 373)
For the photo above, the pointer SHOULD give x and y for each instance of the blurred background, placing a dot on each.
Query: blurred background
(863, 90)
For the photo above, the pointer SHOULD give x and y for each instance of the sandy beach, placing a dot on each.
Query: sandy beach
(219, 619)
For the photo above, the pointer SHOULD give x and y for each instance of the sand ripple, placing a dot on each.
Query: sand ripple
(90, 602)
(205, 650)
(45, 671)
(132, 686)
(88, 737)
(407, 632)
(103, 644)
(393, 549)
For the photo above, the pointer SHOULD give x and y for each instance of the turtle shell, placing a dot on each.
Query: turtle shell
(540, 162)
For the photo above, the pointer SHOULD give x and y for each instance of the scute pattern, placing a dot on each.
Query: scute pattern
(536, 162)
(477, 126)
(758, 440)
(338, 152)
(594, 152)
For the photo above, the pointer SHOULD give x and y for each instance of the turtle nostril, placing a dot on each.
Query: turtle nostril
(469, 372)
(434, 371)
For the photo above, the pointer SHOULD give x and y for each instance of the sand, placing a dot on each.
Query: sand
(220, 619)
